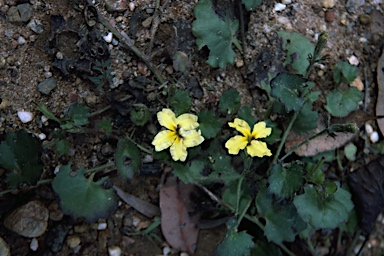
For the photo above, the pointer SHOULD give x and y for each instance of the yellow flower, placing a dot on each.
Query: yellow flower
(248, 140)
(181, 134)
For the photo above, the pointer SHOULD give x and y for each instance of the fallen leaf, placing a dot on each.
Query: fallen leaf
(367, 188)
(318, 145)
(179, 224)
(380, 96)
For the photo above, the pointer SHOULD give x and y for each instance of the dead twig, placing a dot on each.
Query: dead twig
(128, 42)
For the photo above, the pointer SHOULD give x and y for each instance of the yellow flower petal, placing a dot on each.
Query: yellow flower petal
(241, 126)
(258, 148)
(235, 144)
(178, 150)
(167, 119)
(164, 139)
(187, 121)
(192, 138)
(260, 130)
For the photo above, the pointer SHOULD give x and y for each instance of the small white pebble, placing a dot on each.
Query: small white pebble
(102, 226)
(184, 254)
(42, 136)
(148, 159)
(34, 244)
(119, 203)
(57, 169)
(114, 251)
(25, 116)
(131, 6)
(279, 7)
(48, 74)
(59, 56)
(363, 40)
(21, 40)
(44, 119)
(166, 250)
(108, 38)
(374, 137)
(353, 60)
(135, 221)
(368, 129)
(286, 1)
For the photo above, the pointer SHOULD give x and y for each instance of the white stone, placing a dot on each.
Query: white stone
(166, 250)
(34, 244)
(131, 6)
(114, 251)
(279, 7)
(353, 60)
(368, 129)
(102, 226)
(374, 137)
(42, 136)
(25, 116)
(108, 38)
(363, 40)
(44, 119)
(286, 1)
(59, 56)
(57, 169)
(21, 40)
(328, 3)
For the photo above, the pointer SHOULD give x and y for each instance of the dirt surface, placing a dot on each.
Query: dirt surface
(27, 58)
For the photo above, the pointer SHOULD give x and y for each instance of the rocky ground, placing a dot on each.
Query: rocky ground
(37, 38)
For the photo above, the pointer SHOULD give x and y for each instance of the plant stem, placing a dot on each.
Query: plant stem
(140, 147)
(100, 168)
(40, 182)
(283, 139)
(314, 169)
(128, 42)
(253, 219)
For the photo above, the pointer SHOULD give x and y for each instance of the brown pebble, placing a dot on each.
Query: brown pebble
(365, 19)
(142, 68)
(330, 15)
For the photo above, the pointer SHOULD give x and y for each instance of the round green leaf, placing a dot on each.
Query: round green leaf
(342, 103)
(229, 102)
(81, 197)
(283, 182)
(180, 102)
(323, 213)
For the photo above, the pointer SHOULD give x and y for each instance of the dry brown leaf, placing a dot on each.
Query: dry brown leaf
(380, 96)
(180, 226)
(318, 145)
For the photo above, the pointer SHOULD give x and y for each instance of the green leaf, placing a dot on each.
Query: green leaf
(235, 243)
(287, 88)
(79, 114)
(46, 112)
(298, 47)
(345, 72)
(306, 120)
(250, 4)
(350, 151)
(323, 212)
(284, 182)
(20, 154)
(140, 114)
(180, 102)
(245, 113)
(215, 33)
(229, 102)
(82, 197)
(62, 146)
(282, 222)
(222, 168)
(190, 172)
(105, 125)
(209, 124)
(127, 149)
(342, 103)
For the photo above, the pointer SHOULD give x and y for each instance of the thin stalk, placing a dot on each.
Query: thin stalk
(253, 219)
(40, 182)
(140, 147)
(283, 139)
(314, 169)
(238, 194)
(310, 246)
(100, 168)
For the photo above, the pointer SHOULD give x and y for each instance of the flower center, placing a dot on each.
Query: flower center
(178, 131)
